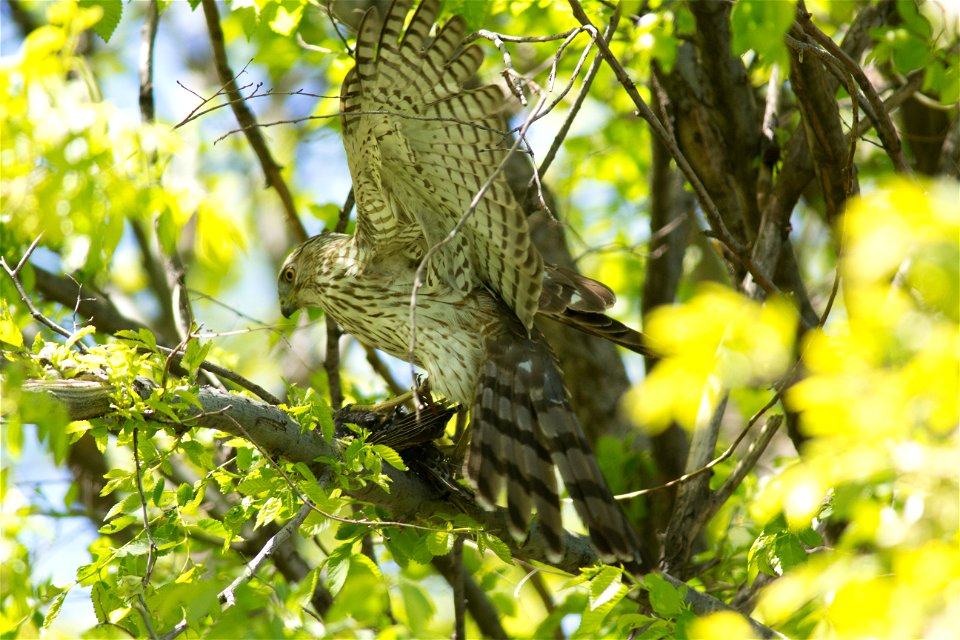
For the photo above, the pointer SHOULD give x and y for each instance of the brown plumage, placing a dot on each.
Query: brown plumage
(419, 147)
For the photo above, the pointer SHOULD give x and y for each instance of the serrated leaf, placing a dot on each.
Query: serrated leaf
(498, 546)
(440, 543)
(157, 492)
(268, 512)
(788, 552)
(194, 355)
(146, 337)
(127, 505)
(112, 11)
(9, 332)
(604, 586)
(254, 484)
(364, 561)
(664, 597)
(118, 524)
(390, 456)
(54, 609)
(593, 617)
(78, 335)
(213, 527)
(304, 470)
(338, 565)
(138, 547)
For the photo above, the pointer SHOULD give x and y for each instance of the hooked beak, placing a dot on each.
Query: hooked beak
(288, 307)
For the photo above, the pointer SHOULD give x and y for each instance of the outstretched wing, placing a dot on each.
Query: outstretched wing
(420, 146)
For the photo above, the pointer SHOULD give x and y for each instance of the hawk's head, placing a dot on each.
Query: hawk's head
(305, 271)
(287, 283)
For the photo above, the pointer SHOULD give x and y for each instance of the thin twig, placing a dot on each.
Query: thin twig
(542, 112)
(744, 465)
(199, 111)
(232, 376)
(227, 597)
(578, 102)
(459, 594)
(151, 545)
(489, 35)
(369, 112)
(37, 315)
(179, 628)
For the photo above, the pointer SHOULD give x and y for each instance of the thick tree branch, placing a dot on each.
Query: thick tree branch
(481, 608)
(692, 496)
(274, 431)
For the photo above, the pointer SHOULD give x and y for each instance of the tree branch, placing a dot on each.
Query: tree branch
(276, 541)
(717, 224)
(885, 129)
(247, 121)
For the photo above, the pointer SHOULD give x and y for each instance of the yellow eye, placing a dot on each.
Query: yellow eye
(289, 274)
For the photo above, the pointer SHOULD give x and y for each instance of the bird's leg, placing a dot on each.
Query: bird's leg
(390, 405)
(461, 438)
(420, 394)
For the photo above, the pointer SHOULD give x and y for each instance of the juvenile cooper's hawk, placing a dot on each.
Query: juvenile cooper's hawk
(419, 147)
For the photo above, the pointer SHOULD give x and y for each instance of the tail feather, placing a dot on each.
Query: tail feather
(603, 326)
(580, 302)
(610, 531)
(521, 405)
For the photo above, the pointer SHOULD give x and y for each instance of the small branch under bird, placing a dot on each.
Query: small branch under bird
(420, 147)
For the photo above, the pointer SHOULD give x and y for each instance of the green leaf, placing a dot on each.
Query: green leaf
(338, 564)
(54, 609)
(788, 552)
(440, 543)
(184, 493)
(194, 356)
(495, 544)
(255, 484)
(664, 597)
(390, 456)
(917, 24)
(268, 512)
(604, 586)
(157, 492)
(475, 12)
(761, 25)
(362, 560)
(147, 338)
(9, 332)
(72, 340)
(138, 547)
(118, 524)
(418, 606)
(287, 17)
(213, 527)
(112, 10)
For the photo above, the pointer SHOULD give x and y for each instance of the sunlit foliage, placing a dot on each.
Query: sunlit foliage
(853, 532)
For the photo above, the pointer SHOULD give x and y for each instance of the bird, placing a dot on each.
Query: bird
(420, 147)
